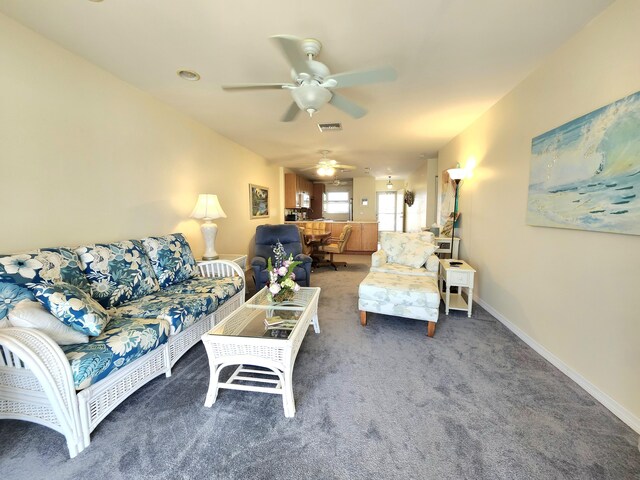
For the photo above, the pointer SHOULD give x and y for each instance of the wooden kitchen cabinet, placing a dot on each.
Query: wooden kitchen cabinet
(369, 237)
(363, 239)
(317, 198)
(354, 244)
(290, 191)
(293, 186)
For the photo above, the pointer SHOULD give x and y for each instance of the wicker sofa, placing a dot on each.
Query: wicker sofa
(137, 305)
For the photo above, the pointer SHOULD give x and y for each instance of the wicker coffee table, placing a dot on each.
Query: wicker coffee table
(264, 357)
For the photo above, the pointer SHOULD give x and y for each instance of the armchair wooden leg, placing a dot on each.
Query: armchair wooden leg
(363, 318)
(431, 329)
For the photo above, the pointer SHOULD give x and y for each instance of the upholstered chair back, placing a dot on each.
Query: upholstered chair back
(268, 235)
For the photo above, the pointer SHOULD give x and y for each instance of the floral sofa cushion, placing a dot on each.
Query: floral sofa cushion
(72, 306)
(181, 311)
(123, 341)
(221, 288)
(10, 295)
(117, 272)
(43, 265)
(171, 258)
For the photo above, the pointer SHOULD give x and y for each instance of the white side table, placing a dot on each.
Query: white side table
(238, 258)
(444, 246)
(460, 276)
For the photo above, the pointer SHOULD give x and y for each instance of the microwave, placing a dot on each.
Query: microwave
(304, 200)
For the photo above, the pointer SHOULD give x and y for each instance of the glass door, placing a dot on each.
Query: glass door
(389, 211)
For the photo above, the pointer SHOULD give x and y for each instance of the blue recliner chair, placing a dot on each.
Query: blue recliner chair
(266, 238)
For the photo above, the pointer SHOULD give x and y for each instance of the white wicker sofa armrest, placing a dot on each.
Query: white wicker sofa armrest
(378, 258)
(36, 384)
(220, 268)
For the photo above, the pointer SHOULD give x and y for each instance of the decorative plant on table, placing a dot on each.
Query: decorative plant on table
(281, 283)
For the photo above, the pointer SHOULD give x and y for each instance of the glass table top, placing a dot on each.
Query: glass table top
(300, 300)
(259, 318)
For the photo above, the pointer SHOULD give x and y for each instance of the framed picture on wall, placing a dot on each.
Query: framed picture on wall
(258, 201)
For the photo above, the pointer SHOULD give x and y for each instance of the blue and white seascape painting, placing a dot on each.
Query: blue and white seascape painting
(585, 174)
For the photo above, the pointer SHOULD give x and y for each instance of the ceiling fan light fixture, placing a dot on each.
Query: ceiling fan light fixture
(321, 171)
(330, 171)
(310, 97)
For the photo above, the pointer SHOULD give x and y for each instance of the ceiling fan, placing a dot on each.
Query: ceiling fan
(337, 183)
(313, 85)
(327, 167)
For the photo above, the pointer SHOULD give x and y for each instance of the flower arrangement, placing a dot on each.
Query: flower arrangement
(281, 282)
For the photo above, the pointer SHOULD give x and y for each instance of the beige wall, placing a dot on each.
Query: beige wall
(432, 190)
(574, 293)
(86, 157)
(416, 215)
(364, 187)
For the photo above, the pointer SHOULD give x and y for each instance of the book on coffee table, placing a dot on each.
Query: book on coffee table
(280, 323)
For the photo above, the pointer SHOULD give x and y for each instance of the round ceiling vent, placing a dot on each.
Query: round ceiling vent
(189, 75)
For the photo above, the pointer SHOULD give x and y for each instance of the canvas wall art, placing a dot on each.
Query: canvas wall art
(258, 201)
(585, 174)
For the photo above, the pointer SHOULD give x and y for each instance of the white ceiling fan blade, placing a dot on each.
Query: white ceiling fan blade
(363, 77)
(344, 167)
(292, 49)
(291, 113)
(347, 106)
(255, 86)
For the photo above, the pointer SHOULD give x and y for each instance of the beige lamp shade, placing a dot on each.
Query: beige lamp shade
(208, 207)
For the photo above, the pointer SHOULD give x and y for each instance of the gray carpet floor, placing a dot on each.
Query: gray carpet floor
(383, 401)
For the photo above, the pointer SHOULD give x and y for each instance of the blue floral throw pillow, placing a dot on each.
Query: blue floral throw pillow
(72, 306)
(117, 272)
(10, 295)
(44, 265)
(171, 258)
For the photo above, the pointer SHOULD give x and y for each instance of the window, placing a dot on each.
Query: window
(336, 202)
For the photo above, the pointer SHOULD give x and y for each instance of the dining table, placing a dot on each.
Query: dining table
(315, 240)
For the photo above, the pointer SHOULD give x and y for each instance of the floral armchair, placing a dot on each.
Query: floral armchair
(266, 238)
(406, 254)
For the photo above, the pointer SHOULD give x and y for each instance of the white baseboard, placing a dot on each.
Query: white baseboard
(614, 407)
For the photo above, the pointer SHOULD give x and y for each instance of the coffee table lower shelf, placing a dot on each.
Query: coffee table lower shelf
(264, 364)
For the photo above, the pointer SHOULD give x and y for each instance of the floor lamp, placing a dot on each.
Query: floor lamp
(208, 208)
(456, 174)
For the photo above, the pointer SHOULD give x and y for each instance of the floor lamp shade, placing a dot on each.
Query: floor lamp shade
(207, 209)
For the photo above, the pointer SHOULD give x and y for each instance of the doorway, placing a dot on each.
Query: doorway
(390, 211)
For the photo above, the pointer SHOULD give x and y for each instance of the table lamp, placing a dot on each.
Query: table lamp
(208, 208)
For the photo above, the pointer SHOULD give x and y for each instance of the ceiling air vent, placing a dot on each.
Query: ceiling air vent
(330, 127)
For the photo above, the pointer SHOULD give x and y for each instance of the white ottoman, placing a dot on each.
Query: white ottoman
(400, 295)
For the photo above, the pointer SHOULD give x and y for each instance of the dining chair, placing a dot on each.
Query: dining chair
(336, 245)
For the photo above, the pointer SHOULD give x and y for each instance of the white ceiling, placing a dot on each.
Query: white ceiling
(454, 58)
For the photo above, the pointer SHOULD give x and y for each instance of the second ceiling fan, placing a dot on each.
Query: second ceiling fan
(313, 85)
(327, 167)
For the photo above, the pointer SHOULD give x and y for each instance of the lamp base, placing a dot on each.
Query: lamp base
(209, 232)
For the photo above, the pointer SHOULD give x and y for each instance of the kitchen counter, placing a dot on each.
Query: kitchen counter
(364, 234)
(332, 221)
